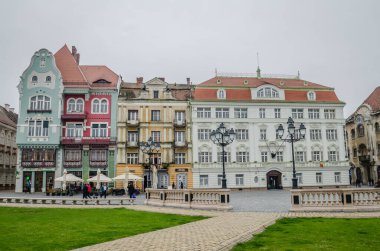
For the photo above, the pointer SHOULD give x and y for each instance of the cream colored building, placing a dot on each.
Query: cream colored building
(8, 148)
(363, 141)
(161, 111)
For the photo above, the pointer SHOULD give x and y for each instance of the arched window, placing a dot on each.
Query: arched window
(79, 105)
(360, 130)
(95, 106)
(40, 103)
(71, 105)
(104, 106)
(34, 79)
(221, 94)
(352, 133)
(267, 92)
(48, 79)
(311, 95)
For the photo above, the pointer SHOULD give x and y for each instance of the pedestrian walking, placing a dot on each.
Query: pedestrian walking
(89, 191)
(28, 185)
(104, 191)
(131, 190)
(84, 191)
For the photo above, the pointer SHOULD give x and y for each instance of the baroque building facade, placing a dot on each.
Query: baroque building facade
(8, 147)
(158, 110)
(254, 106)
(363, 141)
(88, 115)
(39, 157)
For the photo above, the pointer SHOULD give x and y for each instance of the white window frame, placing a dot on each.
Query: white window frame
(263, 134)
(100, 132)
(313, 113)
(277, 113)
(180, 136)
(331, 134)
(227, 157)
(280, 156)
(222, 113)
(132, 158)
(338, 177)
(156, 136)
(242, 134)
(315, 134)
(133, 114)
(180, 158)
(262, 113)
(204, 134)
(221, 94)
(203, 112)
(319, 178)
(155, 115)
(241, 113)
(205, 157)
(264, 156)
(203, 180)
(239, 179)
(242, 157)
(74, 132)
(297, 113)
(329, 113)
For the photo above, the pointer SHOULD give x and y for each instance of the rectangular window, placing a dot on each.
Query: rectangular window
(204, 134)
(262, 113)
(318, 178)
(203, 180)
(264, 156)
(337, 177)
(263, 134)
(73, 155)
(242, 157)
(316, 155)
(329, 113)
(300, 156)
(132, 115)
(179, 136)
(239, 179)
(315, 134)
(297, 113)
(180, 158)
(222, 113)
(241, 134)
(132, 158)
(98, 155)
(277, 113)
(45, 128)
(220, 177)
(313, 113)
(74, 130)
(333, 156)
(203, 112)
(204, 157)
(331, 134)
(99, 130)
(299, 178)
(280, 156)
(227, 157)
(38, 128)
(179, 116)
(241, 113)
(156, 136)
(155, 94)
(156, 115)
(132, 137)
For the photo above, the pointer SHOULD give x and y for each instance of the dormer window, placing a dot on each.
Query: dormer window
(218, 81)
(245, 82)
(221, 94)
(34, 79)
(48, 79)
(102, 81)
(155, 94)
(311, 95)
(267, 92)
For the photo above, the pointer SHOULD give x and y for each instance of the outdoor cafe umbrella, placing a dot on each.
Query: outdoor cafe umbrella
(99, 178)
(68, 177)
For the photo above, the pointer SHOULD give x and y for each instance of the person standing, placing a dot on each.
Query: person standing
(89, 191)
(84, 191)
(104, 190)
(181, 186)
(131, 190)
(28, 185)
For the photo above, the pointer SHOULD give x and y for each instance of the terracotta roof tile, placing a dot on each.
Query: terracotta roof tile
(7, 117)
(94, 73)
(70, 70)
(373, 100)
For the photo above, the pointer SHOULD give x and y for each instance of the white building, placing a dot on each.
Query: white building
(255, 107)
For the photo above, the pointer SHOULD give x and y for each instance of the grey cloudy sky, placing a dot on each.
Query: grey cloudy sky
(335, 43)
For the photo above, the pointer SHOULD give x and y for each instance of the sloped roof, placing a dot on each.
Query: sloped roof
(373, 100)
(94, 73)
(69, 68)
(7, 117)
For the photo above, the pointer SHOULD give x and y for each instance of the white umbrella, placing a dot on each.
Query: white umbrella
(131, 176)
(101, 178)
(69, 178)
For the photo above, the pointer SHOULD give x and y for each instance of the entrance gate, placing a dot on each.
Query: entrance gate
(274, 180)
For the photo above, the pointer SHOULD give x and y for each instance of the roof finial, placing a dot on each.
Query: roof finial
(258, 71)
(216, 72)
(298, 74)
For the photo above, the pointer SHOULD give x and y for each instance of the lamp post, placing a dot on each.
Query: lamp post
(150, 147)
(291, 138)
(222, 137)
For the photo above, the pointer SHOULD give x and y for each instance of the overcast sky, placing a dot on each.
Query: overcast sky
(334, 43)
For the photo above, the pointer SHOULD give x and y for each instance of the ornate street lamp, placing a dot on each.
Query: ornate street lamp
(149, 148)
(291, 138)
(222, 137)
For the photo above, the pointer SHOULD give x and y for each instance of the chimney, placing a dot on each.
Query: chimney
(75, 54)
(188, 81)
(7, 106)
(139, 80)
(162, 79)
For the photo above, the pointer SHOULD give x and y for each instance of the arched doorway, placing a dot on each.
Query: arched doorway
(274, 180)
(359, 177)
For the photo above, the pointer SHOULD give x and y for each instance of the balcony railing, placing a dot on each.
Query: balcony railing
(133, 144)
(364, 158)
(38, 163)
(98, 163)
(72, 163)
(179, 123)
(180, 143)
(89, 141)
(74, 116)
(133, 122)
(39, 110)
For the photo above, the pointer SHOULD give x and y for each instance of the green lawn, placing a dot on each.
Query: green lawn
(63, 229)
(317, 234)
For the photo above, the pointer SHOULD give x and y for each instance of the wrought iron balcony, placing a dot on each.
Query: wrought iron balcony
(38, 163)
(88, 141)
(365, 158)
(39, 110)
(78, 116)
(96, 163)
(68, 163)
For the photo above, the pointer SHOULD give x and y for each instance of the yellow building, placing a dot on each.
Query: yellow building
(161, 111)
